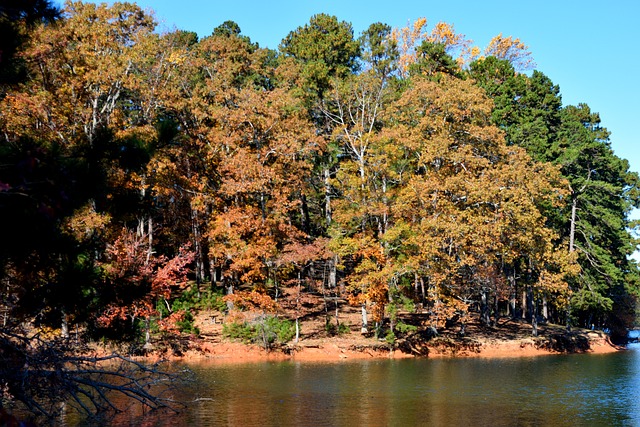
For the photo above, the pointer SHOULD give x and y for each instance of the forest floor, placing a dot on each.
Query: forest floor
(508, 338)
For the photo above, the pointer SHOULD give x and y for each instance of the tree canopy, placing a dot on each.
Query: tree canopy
(136, 167)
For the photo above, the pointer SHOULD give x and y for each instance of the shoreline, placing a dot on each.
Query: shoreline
(335, 350)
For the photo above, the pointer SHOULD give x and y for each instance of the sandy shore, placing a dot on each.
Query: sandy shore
(344, 349)
(506, 338)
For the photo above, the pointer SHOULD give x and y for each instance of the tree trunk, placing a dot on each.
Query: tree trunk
(150, 238)
(332, 282)
(298, 307)
(514, 293)
(572, 233)
(327, 196)
(197, 246)
(324, 298)
(484, 308)
(533, 312)
(365, 327)
(64, 326)
(304, 214)
(572, 229)
(229, 289)
(147, 333)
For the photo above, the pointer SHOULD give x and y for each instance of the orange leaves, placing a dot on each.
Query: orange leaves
(86, 222)
(407, 39)
(451, 202)
(301, 254)
(512, 50)
(413, 35)
(444, 33)
(251, 300)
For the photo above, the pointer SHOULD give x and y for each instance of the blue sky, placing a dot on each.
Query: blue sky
(591, 49)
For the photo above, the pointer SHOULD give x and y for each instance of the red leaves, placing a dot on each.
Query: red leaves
(138, 278)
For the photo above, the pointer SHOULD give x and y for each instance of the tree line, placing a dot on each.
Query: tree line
(397, 167)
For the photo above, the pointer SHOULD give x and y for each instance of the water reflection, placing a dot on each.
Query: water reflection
(554, 390)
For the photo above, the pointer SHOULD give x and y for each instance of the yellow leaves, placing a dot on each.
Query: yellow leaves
(407, 39)
(410, 37)
(86, 222)
(177, 57)
(444, 33)
(512, 50)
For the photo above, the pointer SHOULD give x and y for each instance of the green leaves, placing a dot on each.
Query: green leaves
(602, 189)
(326, 48)
(382, 149)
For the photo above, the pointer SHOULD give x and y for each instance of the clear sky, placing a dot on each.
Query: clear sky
(591, 49)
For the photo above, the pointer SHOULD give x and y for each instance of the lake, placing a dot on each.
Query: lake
(571, 390)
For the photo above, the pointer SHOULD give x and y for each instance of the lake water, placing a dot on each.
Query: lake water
(573, 390)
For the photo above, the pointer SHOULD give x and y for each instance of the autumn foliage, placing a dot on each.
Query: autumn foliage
(380, 168)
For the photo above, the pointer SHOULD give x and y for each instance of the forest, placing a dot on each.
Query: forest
(396, 168)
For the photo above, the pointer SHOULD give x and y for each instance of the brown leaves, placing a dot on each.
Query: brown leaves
(252, 300)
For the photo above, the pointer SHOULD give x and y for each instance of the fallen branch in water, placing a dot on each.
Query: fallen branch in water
(43, 374)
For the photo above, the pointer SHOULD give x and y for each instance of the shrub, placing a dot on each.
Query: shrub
(266, 330)
(208, 300)
(340, 329)
(403, 328)
(239, 331)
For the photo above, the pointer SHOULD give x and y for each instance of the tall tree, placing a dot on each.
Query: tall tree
(17, 20)
(526, 108)
(468, 189)
(594, 223)
(603, 192)
(90, 109)
(327, 49)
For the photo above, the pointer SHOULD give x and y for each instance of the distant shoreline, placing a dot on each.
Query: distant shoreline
(479, 343)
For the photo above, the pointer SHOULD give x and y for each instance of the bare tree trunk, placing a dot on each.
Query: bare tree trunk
(333, 272)
(229, 289)
(327, 196)
(64, 326)
(197, 246)
(512, 301)
(7, 307)
(572, 229)
(324, 295)
(365, 327)
(533, 312)
(484, 308)
(147, 333)
(298, 308)
(304, 214)
(572, 233)
(150, 238)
